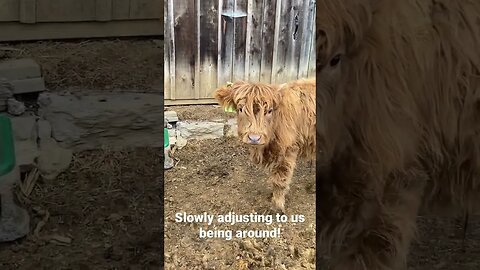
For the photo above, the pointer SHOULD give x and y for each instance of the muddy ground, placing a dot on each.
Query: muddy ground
(103, 213)
(215, 176)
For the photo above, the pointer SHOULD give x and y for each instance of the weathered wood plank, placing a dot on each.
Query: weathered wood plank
(28, 11)
(312, 57)
(240, 36)
(167, 54)
(226, 42)
(12, 31)
(185, 46)
(65, 10)
(287, 54)
(268, 33)
(9, 10)
(146, 9)
(308, 24)
(103, 10)
(121, 9)
(254, 40)
(171, 49)
(206, 101)
(208, 47)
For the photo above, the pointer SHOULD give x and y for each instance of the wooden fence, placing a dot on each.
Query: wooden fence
(210, 42)
(57, 19)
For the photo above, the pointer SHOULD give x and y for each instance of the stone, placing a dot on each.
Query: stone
(53, 159)
(14, 220)
(26, 152)
(44, 129)
(180, 142)
(18, 69)
(231, 128)
(28, 85)
(200, 130)
(5, 94)
(171, 116)
(115, 120)
(15, 107)
(24, 128)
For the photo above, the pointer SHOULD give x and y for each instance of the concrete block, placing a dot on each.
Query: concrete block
(19, 69)
(28, 85)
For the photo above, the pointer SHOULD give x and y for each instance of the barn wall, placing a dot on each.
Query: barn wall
(59, 19)
(211, 42)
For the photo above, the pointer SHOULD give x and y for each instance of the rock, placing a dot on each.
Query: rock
(14, 220)
(113, 120)
(15, 107)
(53, 159)
(200, 130)
(24, 128)
(28, 85)
(18, 69)
(231, 128)
(5, 94)
(180, 142)
(44, 129)
(26, 153)
(171, 116)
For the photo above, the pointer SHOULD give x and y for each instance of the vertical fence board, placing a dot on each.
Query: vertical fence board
(288, 32)
(210, 42)
(240, 37)
(208, 47)
(28, 11)
(268, 30)
(121, 9)
(185, 47)
(166, 51)
(227, 42)
(307, 38)
(103, 10)
(254, 40)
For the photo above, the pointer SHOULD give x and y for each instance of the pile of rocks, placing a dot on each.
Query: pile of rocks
(18, 77)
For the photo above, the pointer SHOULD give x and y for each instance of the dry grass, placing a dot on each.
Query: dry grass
(95, 64)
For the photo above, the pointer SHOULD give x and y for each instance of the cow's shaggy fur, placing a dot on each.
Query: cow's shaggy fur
(283, 117)
(399, 122)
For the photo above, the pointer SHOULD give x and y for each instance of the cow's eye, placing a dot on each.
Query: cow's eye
(269, 111)
(240, 109)
(335, 60)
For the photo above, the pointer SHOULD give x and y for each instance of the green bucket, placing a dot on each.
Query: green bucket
(7, 149)
(166, 140)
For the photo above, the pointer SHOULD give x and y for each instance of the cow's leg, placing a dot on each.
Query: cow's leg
(383, 242)
(281, 177)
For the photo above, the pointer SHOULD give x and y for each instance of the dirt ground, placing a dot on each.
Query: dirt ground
(215, 176)
(108, 64)
(103, 213)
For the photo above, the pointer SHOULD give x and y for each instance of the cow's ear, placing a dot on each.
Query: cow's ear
(224, 96)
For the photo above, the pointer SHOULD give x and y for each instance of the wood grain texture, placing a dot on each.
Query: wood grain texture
(9, 10)
(212, 42)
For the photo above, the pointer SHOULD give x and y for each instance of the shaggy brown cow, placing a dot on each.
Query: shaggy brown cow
(399, 122)
(278, 123)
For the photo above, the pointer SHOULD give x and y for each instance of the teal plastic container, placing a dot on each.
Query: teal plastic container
(166, 140)
(7, 149)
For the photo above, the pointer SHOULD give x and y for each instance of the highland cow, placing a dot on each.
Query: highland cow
(278, 125)
(399, 123)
